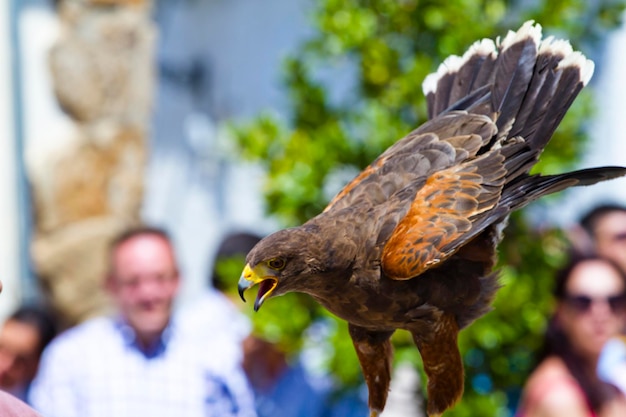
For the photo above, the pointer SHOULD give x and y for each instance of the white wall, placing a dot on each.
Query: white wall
(9, 220)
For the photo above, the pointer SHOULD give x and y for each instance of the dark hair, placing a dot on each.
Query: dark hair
(556, 342)
(41, 319)
(232, 245)
(563, 275)
(590, 220)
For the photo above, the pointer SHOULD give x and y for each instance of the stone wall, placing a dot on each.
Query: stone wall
(90, 186)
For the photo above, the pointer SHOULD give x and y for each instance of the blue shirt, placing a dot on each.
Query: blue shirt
(97, 370)
(293, 395)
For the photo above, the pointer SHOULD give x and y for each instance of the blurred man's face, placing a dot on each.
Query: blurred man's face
(610, 237)
(19, 355)
(144, 283)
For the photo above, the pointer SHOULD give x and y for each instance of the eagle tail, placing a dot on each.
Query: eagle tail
(524, 83)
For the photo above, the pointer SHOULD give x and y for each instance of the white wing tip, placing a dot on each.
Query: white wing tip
(529, 29)
(584, 65)
(429, 85)
(453, 63)
(486, 47)
(571, 58)
(449, 65)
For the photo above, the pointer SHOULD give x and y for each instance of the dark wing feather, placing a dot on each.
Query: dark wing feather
(512, 75)
(539, 96)
(436, 145)
(411, 157)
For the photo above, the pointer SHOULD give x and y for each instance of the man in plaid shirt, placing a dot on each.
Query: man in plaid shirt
(139, 362)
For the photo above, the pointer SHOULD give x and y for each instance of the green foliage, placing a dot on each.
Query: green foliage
(386, 48)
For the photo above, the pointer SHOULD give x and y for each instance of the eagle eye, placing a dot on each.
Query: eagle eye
(276, 263)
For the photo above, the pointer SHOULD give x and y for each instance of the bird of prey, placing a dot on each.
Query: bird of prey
(410, 243)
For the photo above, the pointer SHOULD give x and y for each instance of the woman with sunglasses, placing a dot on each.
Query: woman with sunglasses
(591, 308)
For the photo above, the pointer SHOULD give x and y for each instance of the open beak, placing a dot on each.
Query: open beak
(258, 275)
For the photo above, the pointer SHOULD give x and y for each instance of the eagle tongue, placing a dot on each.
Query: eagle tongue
(264, 287)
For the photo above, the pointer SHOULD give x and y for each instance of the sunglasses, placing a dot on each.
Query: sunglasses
(619, 237)
(582, 303)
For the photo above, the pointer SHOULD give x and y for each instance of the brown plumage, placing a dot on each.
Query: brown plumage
(411, 242)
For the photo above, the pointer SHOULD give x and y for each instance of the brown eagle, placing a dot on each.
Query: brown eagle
(410, 243)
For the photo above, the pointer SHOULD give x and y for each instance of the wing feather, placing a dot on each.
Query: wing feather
(436, 145)
(442, 214)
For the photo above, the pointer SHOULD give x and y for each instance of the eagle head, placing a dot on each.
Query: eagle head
(280, 263)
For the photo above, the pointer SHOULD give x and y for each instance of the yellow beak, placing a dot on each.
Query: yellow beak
(262, 275)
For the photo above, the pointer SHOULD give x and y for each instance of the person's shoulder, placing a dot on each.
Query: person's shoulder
(89, 332)
(560, 400)
(210, 300)
(562, 394)
(212, 312)
(551, 367)
(552, 389)
(13, 407)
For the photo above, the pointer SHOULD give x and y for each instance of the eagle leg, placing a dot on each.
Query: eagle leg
(442, 363)
(375, 354)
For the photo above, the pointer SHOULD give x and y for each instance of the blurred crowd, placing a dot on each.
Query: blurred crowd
(150, 358)
(203, 359)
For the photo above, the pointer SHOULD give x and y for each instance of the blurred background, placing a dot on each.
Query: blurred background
(209, 117)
